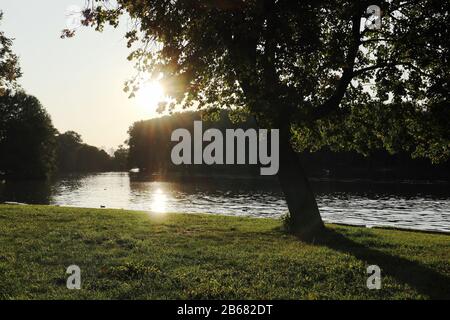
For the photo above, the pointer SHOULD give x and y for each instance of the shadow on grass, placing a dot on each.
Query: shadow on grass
(422, 278)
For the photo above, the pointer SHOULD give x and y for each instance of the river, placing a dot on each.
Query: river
(406, 204)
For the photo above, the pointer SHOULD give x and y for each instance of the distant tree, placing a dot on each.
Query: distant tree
(92, 159)
(9, 65)
(27, 138)
(120, 159)
(68, 144)
(150, 144)
(76, 156)
(303, 67)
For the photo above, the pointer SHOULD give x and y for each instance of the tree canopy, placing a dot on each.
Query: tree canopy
(27, 137)
(9, 65)
(311, 65)
(73, 155)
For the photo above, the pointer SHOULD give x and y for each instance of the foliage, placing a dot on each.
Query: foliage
(404, 127)
(68, 144)
(150, 143)
(149, 150)
(9, 65)
(27, 137)
(120, 159)
(308, 64)
(76, 156)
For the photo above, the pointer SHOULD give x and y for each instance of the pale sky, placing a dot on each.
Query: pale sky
(79, 80)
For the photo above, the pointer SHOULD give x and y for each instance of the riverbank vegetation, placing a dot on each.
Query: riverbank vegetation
(32, 148)
(141, 255)
(150, 145)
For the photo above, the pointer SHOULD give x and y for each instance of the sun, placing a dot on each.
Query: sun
(149, 95)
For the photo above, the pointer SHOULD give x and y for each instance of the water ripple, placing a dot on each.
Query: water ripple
(408, 205)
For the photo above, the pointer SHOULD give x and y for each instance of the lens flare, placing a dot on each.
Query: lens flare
(150, 94)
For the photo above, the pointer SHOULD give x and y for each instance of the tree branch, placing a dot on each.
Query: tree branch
(391, 64)
(333, 102)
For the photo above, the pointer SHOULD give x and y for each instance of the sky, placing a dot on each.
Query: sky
(79, 80)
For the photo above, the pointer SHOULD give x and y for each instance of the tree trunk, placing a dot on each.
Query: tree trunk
(304, 215)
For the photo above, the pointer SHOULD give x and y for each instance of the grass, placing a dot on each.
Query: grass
(138, 255)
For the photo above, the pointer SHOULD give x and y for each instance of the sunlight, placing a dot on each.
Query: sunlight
(149, 95)
(159, 202)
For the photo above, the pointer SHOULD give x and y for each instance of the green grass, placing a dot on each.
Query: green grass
(138, 255)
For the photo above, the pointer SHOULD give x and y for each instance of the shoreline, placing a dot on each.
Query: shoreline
(250, 217)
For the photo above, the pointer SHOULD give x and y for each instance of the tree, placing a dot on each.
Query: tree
(27, 138)
(120, 159)
(150, 145)
(9, 65)
(76, 156)
(92, 159)
(302, 67)
(26, 130)
(67, 145)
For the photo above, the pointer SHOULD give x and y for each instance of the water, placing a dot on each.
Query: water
(412, 205)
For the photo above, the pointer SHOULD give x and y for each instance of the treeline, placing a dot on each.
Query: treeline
(75, 156)
(150, 145)
(150, 148)
(31, 148)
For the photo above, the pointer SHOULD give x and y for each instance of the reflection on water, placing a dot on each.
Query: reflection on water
(158, 202)
(33, 192)
(405, 205)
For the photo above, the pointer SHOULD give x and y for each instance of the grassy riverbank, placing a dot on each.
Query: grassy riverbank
(137, 255)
